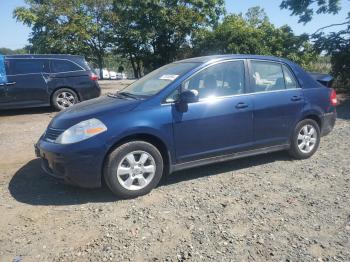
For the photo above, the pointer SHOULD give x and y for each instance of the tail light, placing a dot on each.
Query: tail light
(93, 77)
(333, 98)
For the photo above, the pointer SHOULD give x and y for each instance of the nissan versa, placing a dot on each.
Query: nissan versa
(189, 113)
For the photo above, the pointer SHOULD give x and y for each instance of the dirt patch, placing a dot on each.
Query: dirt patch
(267, 207)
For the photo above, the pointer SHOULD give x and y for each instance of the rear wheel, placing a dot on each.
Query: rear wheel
(305, 140)
(64, 98)
(133, 169)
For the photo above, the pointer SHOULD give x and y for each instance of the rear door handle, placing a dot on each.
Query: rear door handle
(241, 105)
(296, 98)
(11, 84)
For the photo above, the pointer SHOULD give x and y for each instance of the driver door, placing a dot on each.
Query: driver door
(221, 122)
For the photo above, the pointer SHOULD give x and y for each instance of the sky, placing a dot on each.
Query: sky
(15, 35)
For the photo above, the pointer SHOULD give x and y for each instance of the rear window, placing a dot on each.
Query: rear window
(62, 66)
(26, 66)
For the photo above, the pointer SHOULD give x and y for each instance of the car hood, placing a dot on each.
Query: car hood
(100, 108)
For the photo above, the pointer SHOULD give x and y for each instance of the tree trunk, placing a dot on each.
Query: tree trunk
(100, 65)
(138, 68)
(133, 64)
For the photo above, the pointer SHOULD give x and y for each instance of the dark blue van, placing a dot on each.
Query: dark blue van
(189, 113)
(47, 80)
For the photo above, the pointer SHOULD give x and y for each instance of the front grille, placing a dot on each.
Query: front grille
(51, 134)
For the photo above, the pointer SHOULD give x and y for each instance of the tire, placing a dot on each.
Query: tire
(64, 98)
(304, 146)
(124, 173)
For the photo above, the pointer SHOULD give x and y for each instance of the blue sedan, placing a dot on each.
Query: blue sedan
(189, 113)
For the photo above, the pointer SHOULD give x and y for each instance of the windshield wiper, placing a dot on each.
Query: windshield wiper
(127, 94)
(113, 95)
(123, 94)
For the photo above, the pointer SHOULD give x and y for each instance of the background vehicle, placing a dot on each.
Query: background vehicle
(112, 75)
(122, 76)
(43, 80)
(105, 73)
(189, 113)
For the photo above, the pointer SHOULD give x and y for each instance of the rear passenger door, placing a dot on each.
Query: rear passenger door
(278, 102)
(26, 84)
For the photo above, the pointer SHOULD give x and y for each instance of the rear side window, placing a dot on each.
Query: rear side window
(7, 66)
(26, 66)
(267, 76)
(62, 66)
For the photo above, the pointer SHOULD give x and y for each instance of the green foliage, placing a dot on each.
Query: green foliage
(121, 69)
(7, 51)
(254, 34)
(305, 8)
(151, 32)
(143, 35)
(322, 64)
(335, 44)
(73, 27)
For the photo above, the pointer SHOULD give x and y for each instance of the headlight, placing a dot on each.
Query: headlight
(81, 131)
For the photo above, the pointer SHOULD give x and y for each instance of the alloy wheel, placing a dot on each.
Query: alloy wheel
(307, 138)
(65, 99)
(136, 170)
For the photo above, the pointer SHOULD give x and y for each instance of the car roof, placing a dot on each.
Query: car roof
(80, 60)
(212, 58)
(59, 56)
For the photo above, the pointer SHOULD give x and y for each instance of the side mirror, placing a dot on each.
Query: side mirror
(188, 96)
(185, 98)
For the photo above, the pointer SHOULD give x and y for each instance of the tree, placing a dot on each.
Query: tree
(73, 27)
(121, 69)
(151, 32)
(336, 44)
(253, 33)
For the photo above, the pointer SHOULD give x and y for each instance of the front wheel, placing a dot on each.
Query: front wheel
(305, 139)
(133, 169)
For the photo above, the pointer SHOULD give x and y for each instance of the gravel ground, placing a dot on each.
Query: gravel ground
(267, 207)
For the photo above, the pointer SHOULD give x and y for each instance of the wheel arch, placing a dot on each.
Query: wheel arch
(146, 137)
(315, 117)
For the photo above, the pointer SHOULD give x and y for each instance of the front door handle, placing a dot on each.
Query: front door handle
(241, 105)
(11, 84)
(296, 98)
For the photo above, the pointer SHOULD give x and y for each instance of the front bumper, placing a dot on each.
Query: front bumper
(328, 122)
(79, 165)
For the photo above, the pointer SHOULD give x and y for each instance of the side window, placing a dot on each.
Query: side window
(289, 78)
(7, 66)
(223, 79)
(61, 66)
(27, 66)
(267, 76)
(173, 96)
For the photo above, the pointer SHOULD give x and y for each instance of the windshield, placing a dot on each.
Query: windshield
(157, 80)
